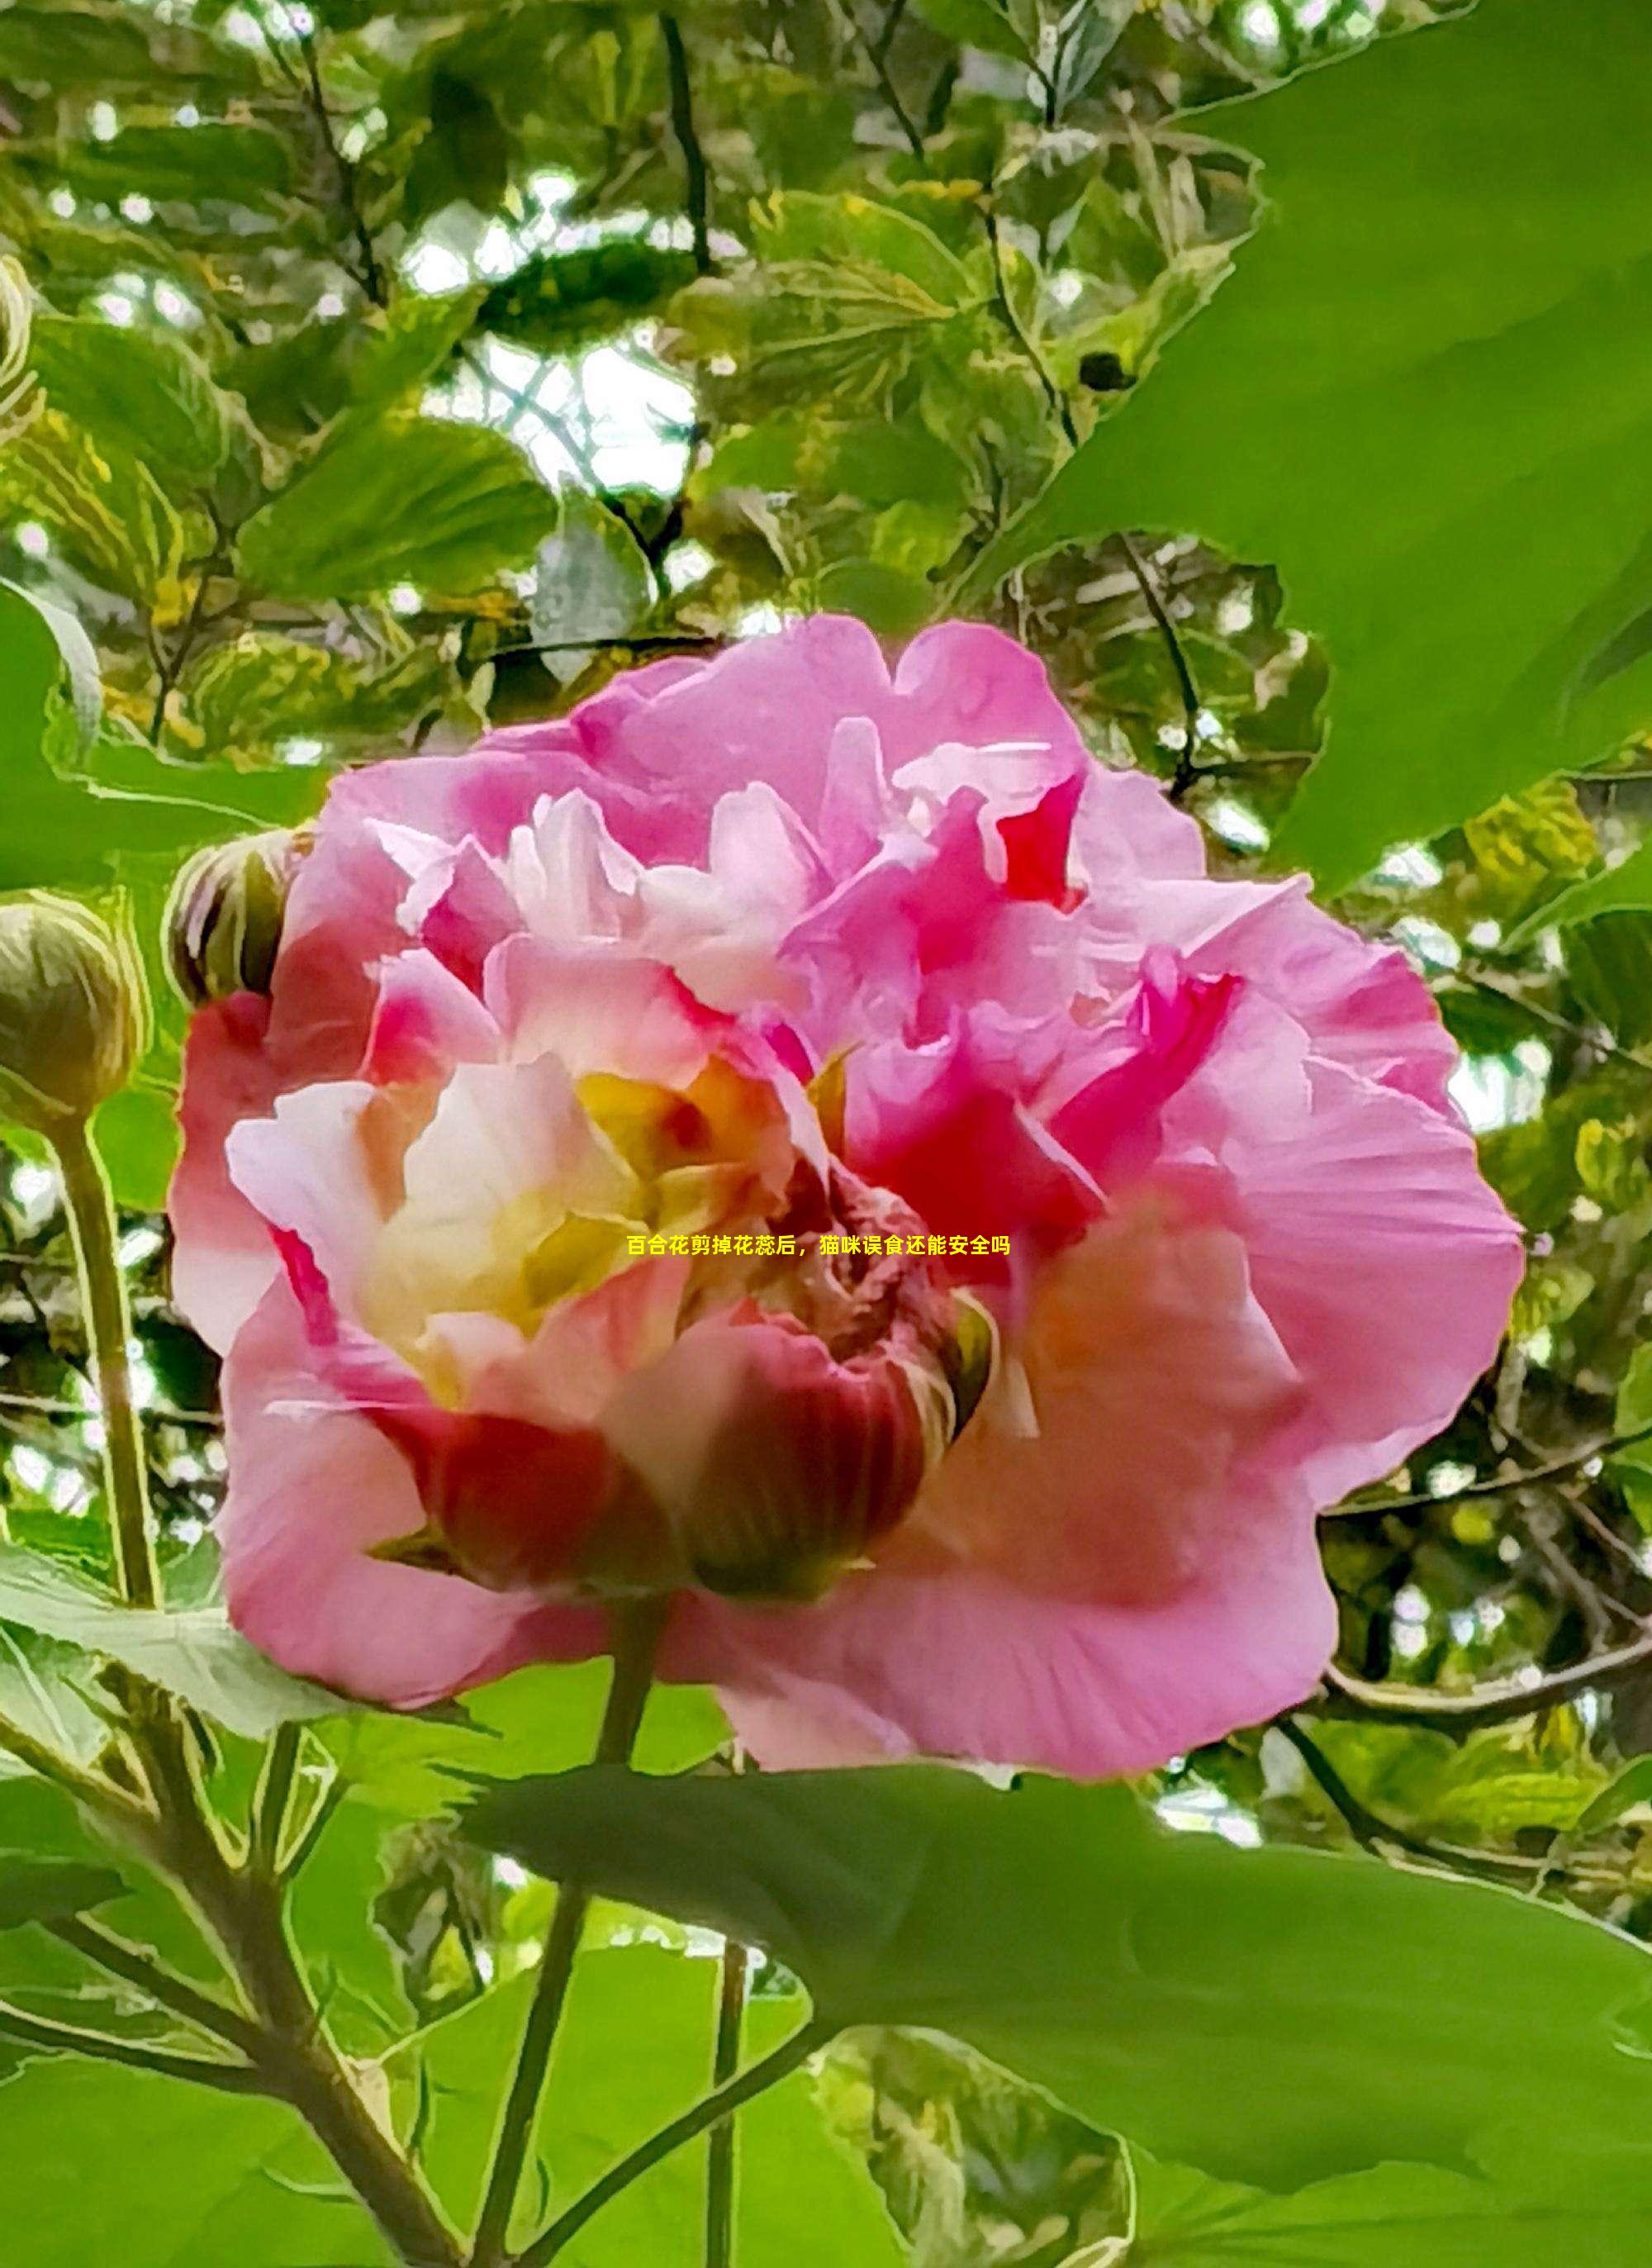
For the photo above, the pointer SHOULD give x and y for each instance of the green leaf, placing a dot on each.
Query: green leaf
(1609, 966)
(1388, 409)
(633, 2052)
(1631, 1791)
(1625, 888)
(51, 1890)
(541, 1719)
(110, 516)
(118, 383)
(196, 1655)
(592, 580)
(125, 798)
(398, 500)
(1146, 1978)
(1395, 2216)
(183, 2177)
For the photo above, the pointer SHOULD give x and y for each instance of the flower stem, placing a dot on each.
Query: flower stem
(720, 2166)
(109, 1326)
(779, 2064)
(637, 1627)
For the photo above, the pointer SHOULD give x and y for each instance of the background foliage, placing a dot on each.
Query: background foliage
(371, 374)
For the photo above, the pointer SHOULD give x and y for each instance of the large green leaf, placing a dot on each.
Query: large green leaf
(1389, 2218)
(194, 1653)
(396, 500)
(155, 2174)
(1276, 2016)
(1423, 396)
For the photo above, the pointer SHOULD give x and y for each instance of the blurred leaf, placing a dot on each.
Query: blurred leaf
(1525, 843)
(1631, 1791)
(976, 2166)
(561, 301)
(592, 580)
(1452, 402)
(207, 163)
(980, 23)
(1632, 1467)
(398, 500)
(196, 1654)
(1161, 1971)
(464, 153)
(1609, 966)
(1627, 887)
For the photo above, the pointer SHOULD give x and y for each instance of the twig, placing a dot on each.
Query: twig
(1495, 1703)
(878, 56)
(1371, 1833)
(135, 1967)
(103, 2047)
(87, 1787)
(42, 1405)
(779, 2064)
(1186, 771)
(1422, 1499)
(371, 278)
(688, 138)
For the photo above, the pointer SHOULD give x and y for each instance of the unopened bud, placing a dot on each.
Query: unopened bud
(224, 916)
(74, 1010)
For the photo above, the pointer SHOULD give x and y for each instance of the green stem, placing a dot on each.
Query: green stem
(637, 1628)
(296, 2061)
(725, 2061)
(778, 2064)
(108, 1325)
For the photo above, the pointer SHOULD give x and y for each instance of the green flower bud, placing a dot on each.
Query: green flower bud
(74, 1010)
(224, 918)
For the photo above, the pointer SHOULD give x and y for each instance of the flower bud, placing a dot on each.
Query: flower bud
(224, 918)
(74, 1010)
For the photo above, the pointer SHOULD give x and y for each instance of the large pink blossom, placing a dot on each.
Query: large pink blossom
(789, 944)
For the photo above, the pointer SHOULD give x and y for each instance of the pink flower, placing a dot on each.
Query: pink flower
(787, 946)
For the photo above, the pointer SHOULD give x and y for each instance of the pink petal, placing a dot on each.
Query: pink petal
(967, 1665)
(312, 1487)
(223, 1259)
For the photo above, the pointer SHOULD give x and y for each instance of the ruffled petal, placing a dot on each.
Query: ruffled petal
(312, 1487)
